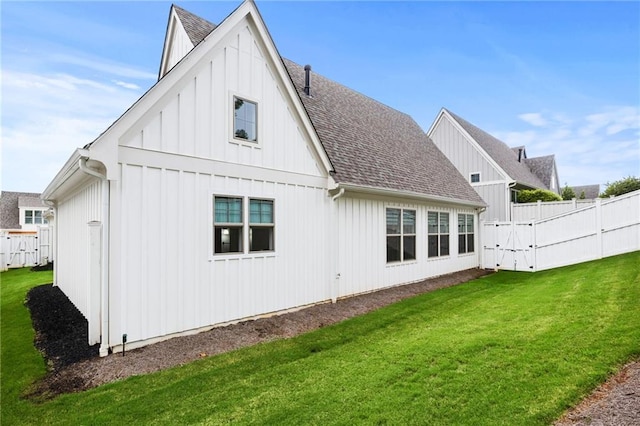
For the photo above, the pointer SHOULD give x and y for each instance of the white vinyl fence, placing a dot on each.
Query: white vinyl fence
(20, 249)
(606, 228)
(539, 210)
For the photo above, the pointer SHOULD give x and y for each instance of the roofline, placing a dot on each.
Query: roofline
(388, 192)
(68, 170)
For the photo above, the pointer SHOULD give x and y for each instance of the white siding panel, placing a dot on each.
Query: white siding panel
(171, 282)
(362, 263)
(495, 196)
(72, 263)
(462, 153)
(196, 115)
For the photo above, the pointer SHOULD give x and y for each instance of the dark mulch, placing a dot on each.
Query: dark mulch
(61, 330)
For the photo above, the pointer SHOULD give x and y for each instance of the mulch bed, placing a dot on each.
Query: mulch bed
(74, 366)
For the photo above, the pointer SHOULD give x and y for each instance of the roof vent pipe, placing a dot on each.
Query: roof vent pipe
(307, 78)
(519, 155)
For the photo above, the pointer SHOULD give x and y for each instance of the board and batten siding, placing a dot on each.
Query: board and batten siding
(461, 152)
(361, 233)
(171, 281)
(165, 278)
(495, 195)
(195, 118)
(72, 227)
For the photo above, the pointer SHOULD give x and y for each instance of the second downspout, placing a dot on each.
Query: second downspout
(336, 287)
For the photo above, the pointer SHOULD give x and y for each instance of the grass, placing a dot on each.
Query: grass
(511, 348)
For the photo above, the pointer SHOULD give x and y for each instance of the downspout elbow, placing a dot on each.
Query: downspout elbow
(82, 164)
(338, 195)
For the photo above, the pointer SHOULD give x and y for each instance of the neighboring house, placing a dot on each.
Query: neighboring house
(241, 185)
(591, 192)
(22, 211)
(496, 171)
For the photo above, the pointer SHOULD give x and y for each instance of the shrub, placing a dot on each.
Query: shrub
(621, 186)
(568, 193)
(533, 195)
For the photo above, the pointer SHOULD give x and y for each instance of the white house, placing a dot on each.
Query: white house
(242, 184)
(496, 171)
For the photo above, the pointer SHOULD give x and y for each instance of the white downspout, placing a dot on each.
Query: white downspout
(54, 239)
(479, 234)
(336, 287)
(104, 287)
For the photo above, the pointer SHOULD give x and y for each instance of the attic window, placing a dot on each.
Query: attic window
(245, 119)
(474, 177)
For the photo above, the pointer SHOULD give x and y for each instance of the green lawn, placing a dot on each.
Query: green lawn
(511, 348)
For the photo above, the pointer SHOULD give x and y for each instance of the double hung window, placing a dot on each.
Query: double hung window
(34, 217)
(465, 233)
(438, 234)
(401, 235)
(232, 234)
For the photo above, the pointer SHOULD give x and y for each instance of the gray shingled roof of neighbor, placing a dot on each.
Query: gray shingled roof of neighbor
(373, 145)
(10, 203)
(542, 167)
(368, 143)
(504, 156)
(196, 27)
(591, 192)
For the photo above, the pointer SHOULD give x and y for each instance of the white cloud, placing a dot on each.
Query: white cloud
(533, 118)
(596, 148)
(46, 116)
(126, 85)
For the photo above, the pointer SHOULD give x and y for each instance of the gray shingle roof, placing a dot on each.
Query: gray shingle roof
(504, 156)
(542, 167)
(196, 27)
(368, 143)
(591, 192)
(373, 145)
(10, 203)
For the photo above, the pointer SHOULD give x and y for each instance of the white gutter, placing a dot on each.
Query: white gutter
(104, 281)
(406, 195)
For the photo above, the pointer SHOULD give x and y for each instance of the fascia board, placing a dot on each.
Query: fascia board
(174, 24)
(285, 79)
(477, 146)
(66, 172)
(392, 193)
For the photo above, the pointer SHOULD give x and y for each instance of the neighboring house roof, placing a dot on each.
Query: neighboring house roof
(504, 156)
(371, 144)
(591, 192)
(368, 143)
(542, 167)
(10, 203)
(196, 27)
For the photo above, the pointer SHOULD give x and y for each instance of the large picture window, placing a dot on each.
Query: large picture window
(465, 233)
(438, 234)
(401, 235)
(245, 119)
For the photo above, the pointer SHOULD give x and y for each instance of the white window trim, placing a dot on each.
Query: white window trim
(23, 216)
(231, 121)
(245, 253)
(475, 221)
(439, 256)
(401, 235)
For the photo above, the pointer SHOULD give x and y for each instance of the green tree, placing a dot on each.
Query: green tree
(533, 195)
(621, 186)
(582, 195)
(568, 193)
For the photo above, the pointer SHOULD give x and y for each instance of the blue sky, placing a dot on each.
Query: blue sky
(561, 78)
